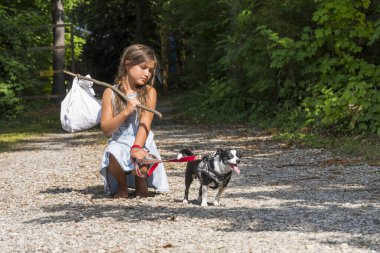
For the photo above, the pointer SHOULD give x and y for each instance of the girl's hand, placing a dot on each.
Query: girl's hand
(131, 106)
(138, 153)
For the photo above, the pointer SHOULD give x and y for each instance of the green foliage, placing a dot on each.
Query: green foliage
(344, 93)
(20, 66)
(79, 44)
(16, 65)
(313, 62)
(302, 63)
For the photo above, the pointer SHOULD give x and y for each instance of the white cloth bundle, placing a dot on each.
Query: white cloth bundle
(80, 110)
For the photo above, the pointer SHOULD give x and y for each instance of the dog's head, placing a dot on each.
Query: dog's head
(231, 157)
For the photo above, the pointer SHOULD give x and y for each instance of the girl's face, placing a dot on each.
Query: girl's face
(140, 74)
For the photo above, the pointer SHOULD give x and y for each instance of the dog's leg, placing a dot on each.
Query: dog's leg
(204, 195)
(199, 200)
(217, 197)
(188, 181)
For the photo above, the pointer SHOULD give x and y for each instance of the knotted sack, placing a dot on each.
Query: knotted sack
(80, 110)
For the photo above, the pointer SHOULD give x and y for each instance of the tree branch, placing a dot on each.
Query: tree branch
(121, 94)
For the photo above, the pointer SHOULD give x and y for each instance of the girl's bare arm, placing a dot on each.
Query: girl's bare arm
(110, 123)
(145, 123)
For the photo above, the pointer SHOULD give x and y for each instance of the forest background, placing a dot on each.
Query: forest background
(307, 68)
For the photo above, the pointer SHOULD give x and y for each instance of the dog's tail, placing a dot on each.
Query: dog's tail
(185, 152)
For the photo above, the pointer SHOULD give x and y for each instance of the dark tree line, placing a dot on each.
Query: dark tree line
(304, 63)
(114, 25)
(297, 63)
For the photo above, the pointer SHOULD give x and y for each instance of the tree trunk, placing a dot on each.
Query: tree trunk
(58, 49)
(139, 37)
(164, 58)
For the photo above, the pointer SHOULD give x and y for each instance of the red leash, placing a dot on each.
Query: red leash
(155, 163)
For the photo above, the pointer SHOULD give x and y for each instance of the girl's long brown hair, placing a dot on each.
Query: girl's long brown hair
(134, 55)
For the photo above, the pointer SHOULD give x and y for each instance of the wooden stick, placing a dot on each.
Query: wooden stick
(121, 94)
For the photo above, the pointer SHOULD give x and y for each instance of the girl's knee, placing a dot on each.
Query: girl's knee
(111, 158)
(113, 162)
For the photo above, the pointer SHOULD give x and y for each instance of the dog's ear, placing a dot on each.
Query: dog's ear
(186, 152)
(219, 151)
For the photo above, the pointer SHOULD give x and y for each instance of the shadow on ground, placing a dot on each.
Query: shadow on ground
(294, 216)
(313, 198)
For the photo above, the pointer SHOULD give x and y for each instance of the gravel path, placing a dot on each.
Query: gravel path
(287, 199)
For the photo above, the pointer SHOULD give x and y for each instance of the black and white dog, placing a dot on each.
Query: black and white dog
(213, 171)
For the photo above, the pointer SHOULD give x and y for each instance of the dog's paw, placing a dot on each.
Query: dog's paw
(185, 201)
(216, 203)
(204, 204)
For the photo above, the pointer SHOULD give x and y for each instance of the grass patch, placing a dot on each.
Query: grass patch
(27, 120)
(365, 148)
(41, 118)
(7, 141)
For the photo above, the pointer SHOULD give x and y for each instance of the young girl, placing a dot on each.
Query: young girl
(130, 126)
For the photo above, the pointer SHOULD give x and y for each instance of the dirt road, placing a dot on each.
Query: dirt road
(287, 198)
